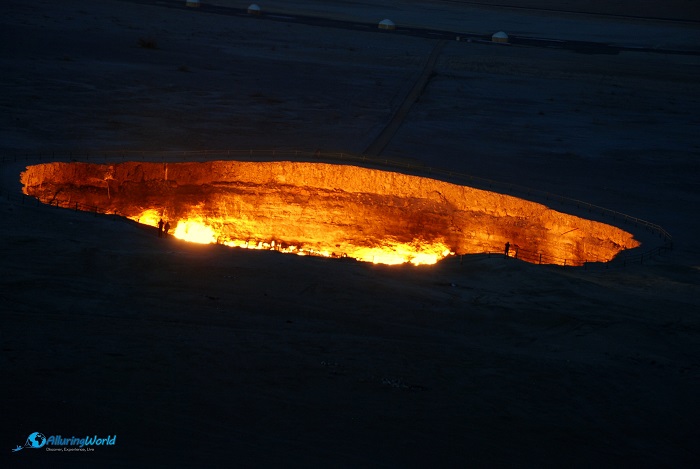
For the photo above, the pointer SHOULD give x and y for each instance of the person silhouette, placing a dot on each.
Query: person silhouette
(166, 228)
(507, 247)
(160, 228)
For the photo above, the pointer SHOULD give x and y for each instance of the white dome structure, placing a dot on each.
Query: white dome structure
(254, 9)
(387, 24)
(192, 3)
(500, 36)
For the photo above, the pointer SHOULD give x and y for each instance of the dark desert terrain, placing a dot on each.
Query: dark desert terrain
(207, 356)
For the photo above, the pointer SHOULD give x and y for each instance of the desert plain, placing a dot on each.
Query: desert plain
(207, 356)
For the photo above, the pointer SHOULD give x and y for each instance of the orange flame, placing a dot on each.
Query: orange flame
(197, 230)
(327, 210)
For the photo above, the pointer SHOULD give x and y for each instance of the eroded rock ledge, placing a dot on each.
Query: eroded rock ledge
(338, 210)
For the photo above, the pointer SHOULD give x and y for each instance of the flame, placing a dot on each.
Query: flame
(399, 253)
(148, 217)
(196, 229)
(319, 209)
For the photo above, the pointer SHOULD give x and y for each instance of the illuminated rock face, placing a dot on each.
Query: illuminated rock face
(317, 208)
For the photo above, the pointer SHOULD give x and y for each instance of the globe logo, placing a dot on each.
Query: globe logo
(36, 440)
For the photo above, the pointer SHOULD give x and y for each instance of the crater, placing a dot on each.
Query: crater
(326, 209)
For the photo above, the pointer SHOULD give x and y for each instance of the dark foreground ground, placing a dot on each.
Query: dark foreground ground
(202, 356)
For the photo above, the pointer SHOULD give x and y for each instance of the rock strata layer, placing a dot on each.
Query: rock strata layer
(332, 209)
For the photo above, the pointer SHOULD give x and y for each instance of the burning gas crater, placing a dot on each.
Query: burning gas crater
(328, 210)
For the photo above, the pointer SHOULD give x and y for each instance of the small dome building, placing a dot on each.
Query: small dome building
(254, 9)
(387, 24)
(500, 36)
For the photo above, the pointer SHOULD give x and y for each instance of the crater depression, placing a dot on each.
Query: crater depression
(325, 209)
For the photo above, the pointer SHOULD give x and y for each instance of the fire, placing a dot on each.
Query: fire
(327, 210)
(194, 230)
(400, 253)
(197, 230)
(147, 217)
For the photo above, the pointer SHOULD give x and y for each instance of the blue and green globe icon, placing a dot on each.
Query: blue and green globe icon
(36, 440)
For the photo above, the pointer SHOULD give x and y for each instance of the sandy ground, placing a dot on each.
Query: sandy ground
(523, 20)
(201, 356)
